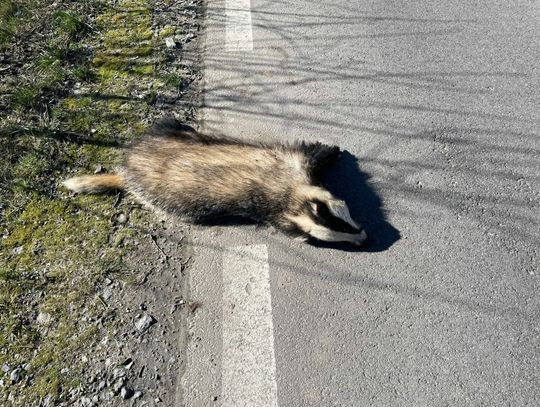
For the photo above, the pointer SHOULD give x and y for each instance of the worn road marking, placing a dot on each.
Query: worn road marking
(249, 366)
(238, 32)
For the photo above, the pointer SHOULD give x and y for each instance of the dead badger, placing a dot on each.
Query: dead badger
(197, 177)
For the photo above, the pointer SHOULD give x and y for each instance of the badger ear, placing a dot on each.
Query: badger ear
(319, 157)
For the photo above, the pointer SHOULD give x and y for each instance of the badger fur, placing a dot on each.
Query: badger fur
(198, 177)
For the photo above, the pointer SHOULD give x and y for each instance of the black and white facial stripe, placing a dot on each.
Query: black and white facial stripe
(322, 215)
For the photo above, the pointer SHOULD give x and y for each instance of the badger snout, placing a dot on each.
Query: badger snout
(360, 238)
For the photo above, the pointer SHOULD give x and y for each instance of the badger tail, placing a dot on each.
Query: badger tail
(94, 184)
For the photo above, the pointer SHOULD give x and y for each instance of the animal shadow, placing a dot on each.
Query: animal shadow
(346, 181)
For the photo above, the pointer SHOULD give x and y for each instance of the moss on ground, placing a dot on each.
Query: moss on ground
(81, 80)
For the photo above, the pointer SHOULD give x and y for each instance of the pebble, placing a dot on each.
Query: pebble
(144, 323)
(170, 43)
(17, 250)
(137, 394)
(118, 385)
(126, 392)
(106, 293)
(121, 218)
(15, 376)
(127, 363)
(119, 372)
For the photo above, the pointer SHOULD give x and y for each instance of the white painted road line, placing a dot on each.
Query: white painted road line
(238, 32)
(249, 366)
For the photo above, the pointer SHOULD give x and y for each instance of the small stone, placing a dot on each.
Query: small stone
(106, 293)
(98, 169)
(121, 218)
(15, 376)
(85, 401)
(119, 372)
(5, 368)
(137, 394)
(143, 306)
(144, 323)
(126, 392)
(118, 385)
(101, 385)
(170, 43)
(127, 363)
(74, 392)
(17, 250)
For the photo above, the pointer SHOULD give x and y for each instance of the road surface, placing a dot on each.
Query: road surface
(436, 104)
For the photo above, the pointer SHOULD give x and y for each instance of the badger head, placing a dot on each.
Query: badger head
(318, 214)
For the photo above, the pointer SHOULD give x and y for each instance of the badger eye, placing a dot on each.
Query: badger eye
(320, 209)
(334, 215)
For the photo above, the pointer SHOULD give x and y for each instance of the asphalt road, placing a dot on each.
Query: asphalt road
(436, 104)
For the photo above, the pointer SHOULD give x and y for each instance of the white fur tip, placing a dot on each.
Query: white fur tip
(72, 184)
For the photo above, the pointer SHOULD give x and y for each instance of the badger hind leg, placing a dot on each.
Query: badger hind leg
(170, 127)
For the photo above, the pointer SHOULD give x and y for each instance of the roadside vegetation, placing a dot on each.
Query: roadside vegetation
(79, 80)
